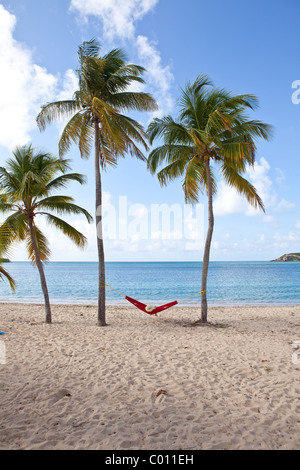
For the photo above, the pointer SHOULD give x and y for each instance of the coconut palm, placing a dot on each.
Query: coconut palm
(212, 129)
(27, 182)
(96, 119)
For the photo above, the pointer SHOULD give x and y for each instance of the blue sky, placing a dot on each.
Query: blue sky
(244, 47)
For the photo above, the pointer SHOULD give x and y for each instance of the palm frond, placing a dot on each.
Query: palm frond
(62, 205)
(111, 133)
(195, 172)
(133, 101)
(89, 49)
(116, 58)
(234, 179)
(63, 180)
(56, 111)
(238, 153)
(131, 133)
(78, 238)
(168, 153)
(9, 183)
(86, 137)
(6, 275)
(195, 180)
(108, 153)
(172, 132)
(13, 229)
(42, 245)
(172, 171)
(5, 204)
(240, 102)
(71, 133)
(100, 108)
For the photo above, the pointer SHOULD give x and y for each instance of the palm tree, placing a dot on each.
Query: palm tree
(96, 110)
(27, 182)
(213, 128)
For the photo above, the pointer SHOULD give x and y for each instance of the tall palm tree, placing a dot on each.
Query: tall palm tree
(212, 129)
(27, 182)
(96, 110)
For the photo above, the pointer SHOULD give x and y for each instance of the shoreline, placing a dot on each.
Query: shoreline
(127, 304)
(154, 383)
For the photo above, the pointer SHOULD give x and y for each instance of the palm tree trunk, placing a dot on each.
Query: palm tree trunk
(41, 272)
(101, 261)
(207, 245)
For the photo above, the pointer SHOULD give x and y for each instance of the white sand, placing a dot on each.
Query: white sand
(74, 385)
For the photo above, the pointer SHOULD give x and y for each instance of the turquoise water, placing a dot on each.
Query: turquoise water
(229, 283)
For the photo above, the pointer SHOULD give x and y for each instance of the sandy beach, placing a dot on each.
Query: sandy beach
(149, 382)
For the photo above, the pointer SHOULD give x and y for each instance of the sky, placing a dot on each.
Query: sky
(244, 47)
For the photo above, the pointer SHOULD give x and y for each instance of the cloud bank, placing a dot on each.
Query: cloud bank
(24, 86)
(118, 16)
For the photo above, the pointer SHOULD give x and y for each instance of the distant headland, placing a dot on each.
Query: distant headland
(288, 257)
(4, 260)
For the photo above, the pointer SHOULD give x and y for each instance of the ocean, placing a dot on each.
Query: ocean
(229, 283)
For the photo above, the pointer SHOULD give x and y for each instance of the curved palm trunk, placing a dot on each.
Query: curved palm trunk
(207, 245)
(41, 272)
(101, 261)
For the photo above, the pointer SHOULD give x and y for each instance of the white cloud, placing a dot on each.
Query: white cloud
(229, 201)
(118, 16)
(281, 176)
(70, 85)
(289, 241)
(24, 86)
(283, 204)
(258, 176)
(158, 76)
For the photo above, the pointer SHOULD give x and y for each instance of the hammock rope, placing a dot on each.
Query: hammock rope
(148, 308)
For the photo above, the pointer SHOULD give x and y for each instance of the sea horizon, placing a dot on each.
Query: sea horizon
(230, 283)
(153, 261)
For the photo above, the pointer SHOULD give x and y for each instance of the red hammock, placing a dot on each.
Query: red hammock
(145, 308)
(142, 307)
